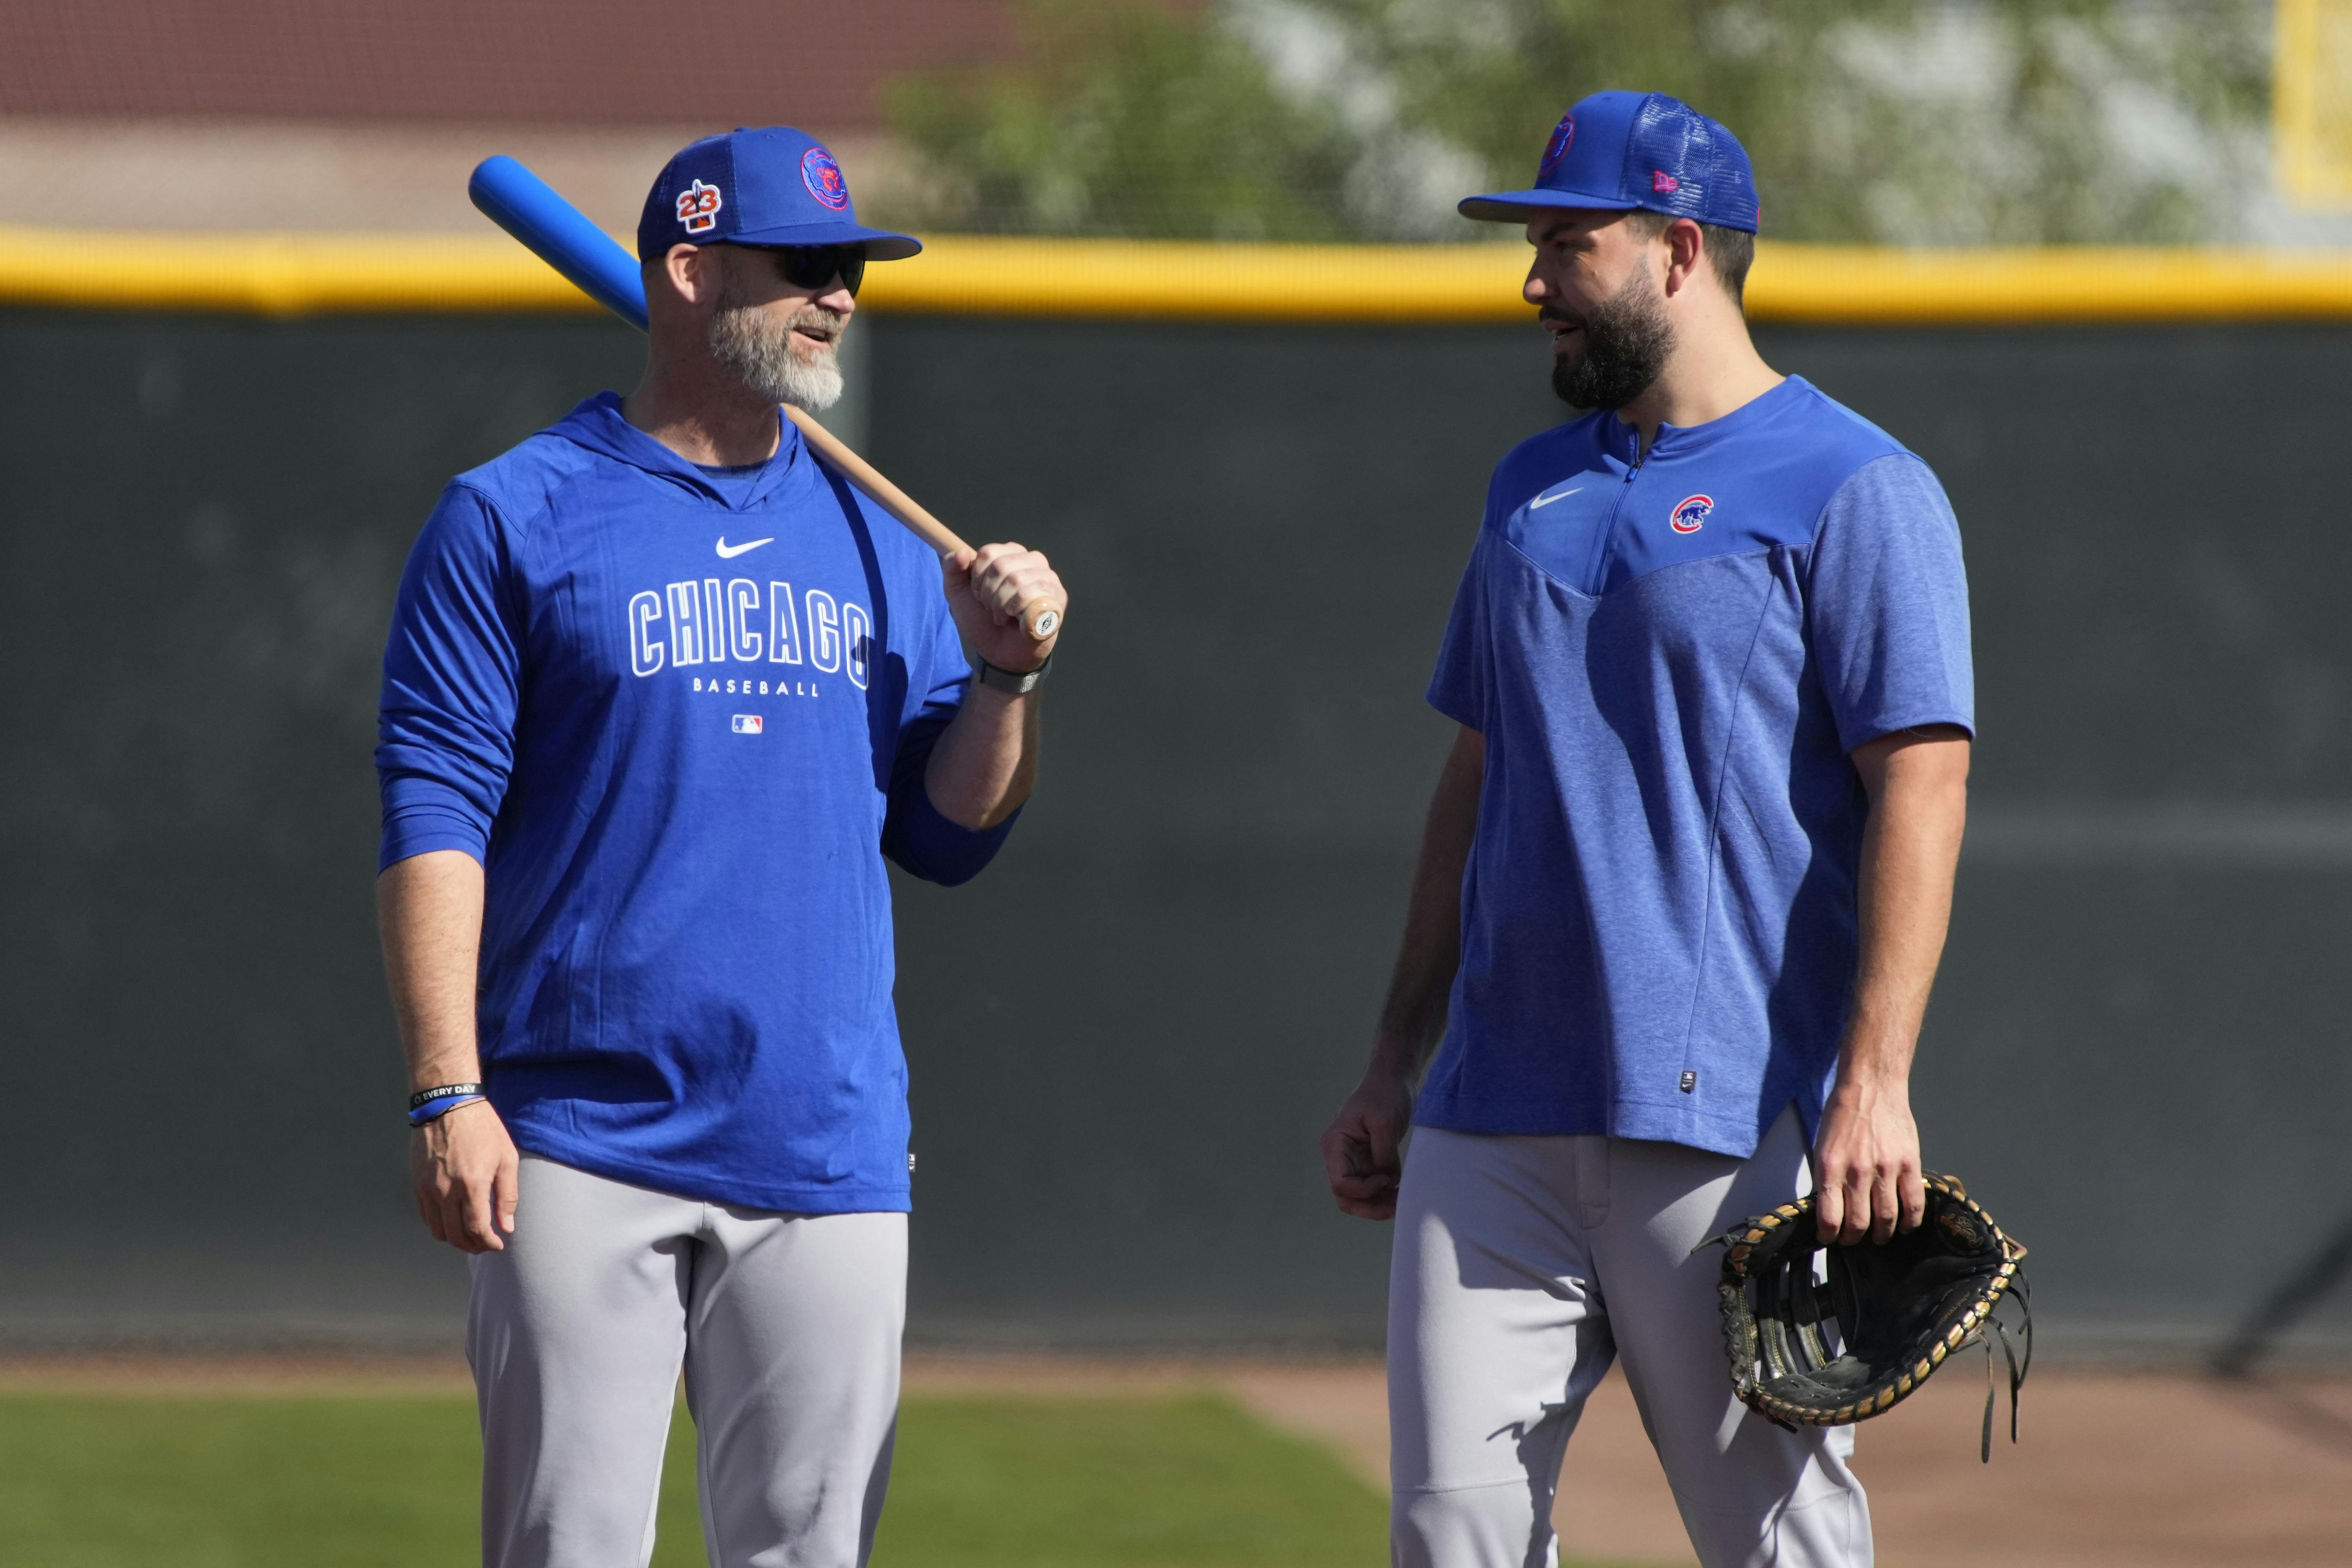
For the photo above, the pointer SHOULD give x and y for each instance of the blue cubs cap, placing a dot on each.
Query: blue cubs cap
(1618, 151)
(775, 186)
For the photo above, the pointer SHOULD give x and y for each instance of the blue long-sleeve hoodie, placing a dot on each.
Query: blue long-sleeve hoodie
(680, 715)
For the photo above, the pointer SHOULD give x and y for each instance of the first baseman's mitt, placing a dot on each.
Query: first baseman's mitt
(1898, 1309)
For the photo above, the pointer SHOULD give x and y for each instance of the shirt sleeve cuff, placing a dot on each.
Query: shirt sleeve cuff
(1865, 731)
(927, 845)
(1455, 705)
(418, 827)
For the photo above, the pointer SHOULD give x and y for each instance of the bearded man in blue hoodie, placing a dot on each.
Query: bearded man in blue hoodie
(662, 693)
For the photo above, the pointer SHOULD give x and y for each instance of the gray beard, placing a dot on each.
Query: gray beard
(1627, 339)
(761, 352)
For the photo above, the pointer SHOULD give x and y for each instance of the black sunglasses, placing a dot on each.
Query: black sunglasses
(813, 267)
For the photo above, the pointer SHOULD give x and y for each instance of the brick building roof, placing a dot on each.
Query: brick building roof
(812, 62)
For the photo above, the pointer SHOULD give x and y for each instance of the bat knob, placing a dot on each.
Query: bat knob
(1043, 622)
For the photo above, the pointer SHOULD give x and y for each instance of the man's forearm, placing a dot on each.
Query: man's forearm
(1362, 1148)
(463, 1164)
(984, 764)
(1911, 847)
(1866, 1161)
(429, 909)
(1413, 1016)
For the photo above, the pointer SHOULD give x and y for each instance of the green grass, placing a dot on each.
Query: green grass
(102, 1481)
(1137, 1483)
(106, 1479)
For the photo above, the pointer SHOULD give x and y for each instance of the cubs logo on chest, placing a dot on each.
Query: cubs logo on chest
(1690, 513)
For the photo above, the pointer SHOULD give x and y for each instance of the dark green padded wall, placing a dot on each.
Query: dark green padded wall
(1127, 1035)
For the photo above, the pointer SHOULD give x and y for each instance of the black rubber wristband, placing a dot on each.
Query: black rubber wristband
(425, 1097)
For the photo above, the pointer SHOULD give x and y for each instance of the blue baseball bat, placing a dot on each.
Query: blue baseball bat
(559, 234)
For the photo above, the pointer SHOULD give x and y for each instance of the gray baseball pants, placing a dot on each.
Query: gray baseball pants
(1522, 1267)
(787, 1327)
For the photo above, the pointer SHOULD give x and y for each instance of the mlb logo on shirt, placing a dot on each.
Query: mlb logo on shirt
(749, 723)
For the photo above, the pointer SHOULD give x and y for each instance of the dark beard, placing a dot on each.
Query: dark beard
(1626, 340)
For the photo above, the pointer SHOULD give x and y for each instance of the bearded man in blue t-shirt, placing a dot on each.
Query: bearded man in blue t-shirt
(1685, 882)
(662, 692)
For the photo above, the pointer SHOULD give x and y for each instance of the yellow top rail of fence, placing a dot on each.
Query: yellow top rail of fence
(291, 275)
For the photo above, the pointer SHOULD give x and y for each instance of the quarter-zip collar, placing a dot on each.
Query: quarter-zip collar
(599, 426)
(1625, 438)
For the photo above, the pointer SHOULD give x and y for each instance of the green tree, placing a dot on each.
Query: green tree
(1495, 77)
(1885, 120)
(1126, 119)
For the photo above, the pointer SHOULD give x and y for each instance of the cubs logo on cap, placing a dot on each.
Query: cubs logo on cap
(1562, 134)
(697, 207)
(1690, 513)
(823, 177)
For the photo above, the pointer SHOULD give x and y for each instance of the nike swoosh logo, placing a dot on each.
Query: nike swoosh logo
(1547, 501)
(729, 551)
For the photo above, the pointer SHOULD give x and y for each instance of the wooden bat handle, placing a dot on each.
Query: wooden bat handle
(1041, 619)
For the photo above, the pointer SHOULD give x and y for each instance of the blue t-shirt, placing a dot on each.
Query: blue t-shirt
(1670, 657)
(680, 718)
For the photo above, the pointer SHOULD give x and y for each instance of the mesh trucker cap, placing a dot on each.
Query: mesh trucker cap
(775, 186)
(1618, 151)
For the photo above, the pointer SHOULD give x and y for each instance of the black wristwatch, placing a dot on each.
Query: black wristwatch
(1019, 685)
